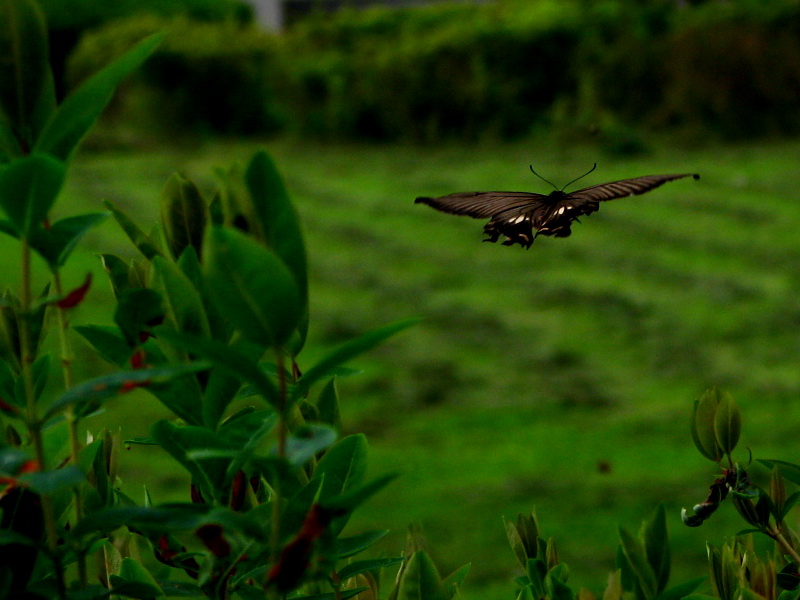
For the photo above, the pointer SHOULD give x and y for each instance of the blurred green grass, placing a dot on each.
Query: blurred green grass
(530, 368)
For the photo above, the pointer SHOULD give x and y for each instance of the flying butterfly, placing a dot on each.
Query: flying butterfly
(515, 215)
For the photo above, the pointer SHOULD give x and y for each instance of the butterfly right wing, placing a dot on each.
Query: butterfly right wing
(482, 205)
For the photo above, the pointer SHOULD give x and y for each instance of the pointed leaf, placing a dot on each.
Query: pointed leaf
(138, 310)
(26, 83)
(362, 566)
(635, 554)
(184, 215)
(420, 580)
(108, 341)
(118, 273)
(702, 429)
(134, 580)
(453, 582)
(346, 352)
(343, 466)
(350, 546)
(238, 360)
(790, 471)
(49, 482)
(78, 113)
(102, 388)
(328, 405)
(656, 543)
(279, 222)
(57, 243)
(141, 241)
(727, 423)
(28, 189)
(252, 287)
(305, 443)
(183, 303)
(683, 590)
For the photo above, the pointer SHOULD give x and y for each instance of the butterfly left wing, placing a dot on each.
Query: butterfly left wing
(512, 213)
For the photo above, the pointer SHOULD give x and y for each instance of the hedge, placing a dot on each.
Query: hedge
(501, 70)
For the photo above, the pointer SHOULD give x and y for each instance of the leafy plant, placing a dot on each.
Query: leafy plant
(211, 320)
(736, 569)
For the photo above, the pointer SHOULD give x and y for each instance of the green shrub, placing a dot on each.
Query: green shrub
(735, 68)
(422, 74)
(214, 77)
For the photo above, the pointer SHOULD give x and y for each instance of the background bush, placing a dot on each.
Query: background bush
(216, 77)
(464, 71)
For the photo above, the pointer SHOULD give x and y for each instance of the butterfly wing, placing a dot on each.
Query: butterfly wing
(481, 205)
(624, 187)
(512, 213)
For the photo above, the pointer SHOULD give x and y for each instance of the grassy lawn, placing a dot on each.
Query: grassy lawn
(531, 368)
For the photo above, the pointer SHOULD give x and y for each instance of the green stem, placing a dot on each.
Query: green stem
(275, 533)
(776, 535)
(34, 426)
(72, 419)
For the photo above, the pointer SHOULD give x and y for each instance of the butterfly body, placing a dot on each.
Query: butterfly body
(515, 215)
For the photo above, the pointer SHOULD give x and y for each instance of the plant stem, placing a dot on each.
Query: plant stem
(34, 426)
(776, 535)
(72, 419)
(275, 533)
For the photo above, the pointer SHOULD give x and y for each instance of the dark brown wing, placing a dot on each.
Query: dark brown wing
(481, 205)
(625, 187)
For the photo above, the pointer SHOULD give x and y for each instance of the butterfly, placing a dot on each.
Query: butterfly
(515, 215)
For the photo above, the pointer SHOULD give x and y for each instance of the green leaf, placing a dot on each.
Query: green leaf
(55, 244)
(280, 225)
(343, 466)
(634, 552)
(118, 273)
(78, 113)
(308, 441)
(702, 428)
(350, 546)
(49, 482)
(345, 352)
(727, 423)
(362, 566)
(184, 215)
(138, 310)
(108, 341)
(183, 444)
(28, 189)
(183, 303)
(135, 581)
(789, 470)
(420, 580)
(239, 360)
(328, 405)
(140, 240)
(102, 388)
(169, 518)
(683, 590)
(656, 542)
(453, 582)
(26, 82)
(252, 287)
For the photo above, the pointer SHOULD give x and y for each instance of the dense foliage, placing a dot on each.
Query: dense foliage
(500, 69)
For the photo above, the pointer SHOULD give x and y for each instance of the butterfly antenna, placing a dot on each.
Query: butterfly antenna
(577, 178)
(540, 177)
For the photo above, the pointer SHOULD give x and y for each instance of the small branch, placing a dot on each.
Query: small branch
(776, 535)
(34, 426)
(72, 419)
